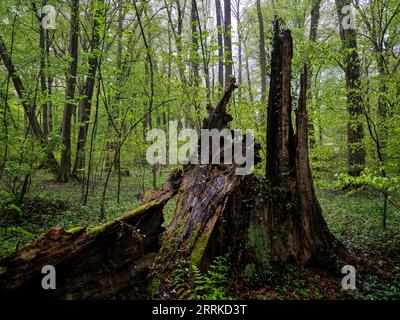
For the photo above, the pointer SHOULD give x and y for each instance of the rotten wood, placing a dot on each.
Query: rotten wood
(296, 227)
(92, 263)
(209, 219)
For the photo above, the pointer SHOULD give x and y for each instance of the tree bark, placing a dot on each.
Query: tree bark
(355, 128)
(86, 102)
(297, 230)
(43, 80)
(228, 42)
(263, 53)
(69, 107)
(313, 38)
(218, 9)
(195, 47)
(249, 85)
(240, 49)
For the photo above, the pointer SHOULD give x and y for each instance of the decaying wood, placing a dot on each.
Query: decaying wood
(92, 263)
(209, 219)
(296, 226)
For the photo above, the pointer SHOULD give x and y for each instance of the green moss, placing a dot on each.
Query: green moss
(194, 234)
(74, 230)
(3, 270)
(153, 286)
(198, 250)
(257, 242)
(134, 212)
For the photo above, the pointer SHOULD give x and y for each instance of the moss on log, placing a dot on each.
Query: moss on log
(92, 263)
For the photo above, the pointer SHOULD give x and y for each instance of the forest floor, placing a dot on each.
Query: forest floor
(354, 218)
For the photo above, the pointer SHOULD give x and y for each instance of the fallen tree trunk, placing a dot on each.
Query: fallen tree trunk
(92, 263)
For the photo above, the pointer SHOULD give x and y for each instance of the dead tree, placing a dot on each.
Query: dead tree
(92, 263)
(209, 219)
(295, 224)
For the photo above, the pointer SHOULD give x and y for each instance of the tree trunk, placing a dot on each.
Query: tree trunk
(228, 42)
(355, 128)
(27, 103)
(297, 230)
(240, 49)
(195, 48)
(208, 221)
(69, 107)
(382, 105)
(86, 102)
(177, 33)
(218, 9)
(43, 80)
(313, 38)
(263, 53)
(249, 85)
(49, 85)
(92, 263)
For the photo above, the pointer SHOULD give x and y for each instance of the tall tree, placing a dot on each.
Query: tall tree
(69, 107)
(218, 10)
(43, 81)
(239, 45)
(263, 53)
(355, 129)
(316, 4)
(195, 46)
(85, 104)
(27, 102)
(247, 65)
(177, 30)
(228, 41)
(379, 20)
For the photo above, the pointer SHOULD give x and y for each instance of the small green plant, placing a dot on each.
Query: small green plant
(213, 284)
(375, 289)
(7, 204)
(384, 185)
(12, 238)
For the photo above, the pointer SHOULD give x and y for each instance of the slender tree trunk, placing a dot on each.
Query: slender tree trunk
(218, 9)
(86, 102)
(195, 47)
(228, 41)
(194, 77)
(43, 80)
(263, 53)
(382, 104)
(26, 101)
(204, 53)
(49, 84)
(249, 85)
(355, 128)
(177, 33)
(240, 49)
(69, 107)
(313, 38)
